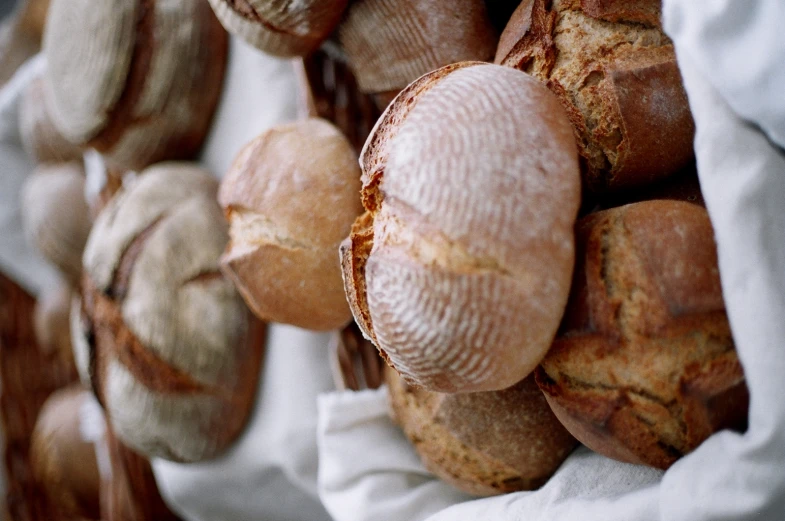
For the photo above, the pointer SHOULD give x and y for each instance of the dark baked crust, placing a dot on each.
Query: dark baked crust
(644, 368)
(615, 73)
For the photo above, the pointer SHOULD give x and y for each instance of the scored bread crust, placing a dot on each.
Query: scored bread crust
(288, 213)
(285, 28)
(175, 354)
(390, 43)
(644, 368)
(141, 84)
(483, 443)
(616, 74)
(458, 292)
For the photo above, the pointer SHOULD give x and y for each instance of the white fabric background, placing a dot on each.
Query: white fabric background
(732, 55)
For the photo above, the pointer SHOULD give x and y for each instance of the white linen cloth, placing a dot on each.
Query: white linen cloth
(732, 56)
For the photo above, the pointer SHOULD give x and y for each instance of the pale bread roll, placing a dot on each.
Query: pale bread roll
(483, 443)
(138, 80)
(62, 460)
(459, 270)
(56, 217)
(173, 353)
(40, 138)
(290, 198)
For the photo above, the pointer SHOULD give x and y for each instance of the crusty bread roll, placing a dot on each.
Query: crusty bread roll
(138, 80)
(483, 443)
(644, 368)
(62, 460)
(56, 217)
(41, 139)
(615, 72)
(391, 43)
(173, 353)
(284, 28)
(290, 198)
(460, 268)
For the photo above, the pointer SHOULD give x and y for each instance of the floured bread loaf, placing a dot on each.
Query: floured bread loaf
(290, 198)
(62, 460)
(173, 353)
(615, 72)
(459, 270)
(281, 27)
(41, 139)
(644, 368)
(483, 443)
(56, 217)
(138, 80)
(391, 43)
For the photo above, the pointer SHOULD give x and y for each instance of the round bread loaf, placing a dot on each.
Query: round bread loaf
(284, 28)
(290, 197)
(459, 270)
(138, 80)
(40, 137)
(56, 216)
(483, 443)
(391, 43)
(173, 354)
(644, 368)
(615, 72)
(63, 462)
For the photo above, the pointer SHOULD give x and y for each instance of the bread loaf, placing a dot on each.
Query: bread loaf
(62, 460)
(284, 28)
(460, 268)
(644, 368)
(138, 80)
(391, 43)
(615, 72)
(56, 217)
(173, 354)
(483, 443)
(41, 139)
(290, 198)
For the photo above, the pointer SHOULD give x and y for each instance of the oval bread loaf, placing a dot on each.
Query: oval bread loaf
(290, 198)
(483, 443)
(173, 353)
(644, 368)
(615, 72)
(138, 80)
(283, 28)
(460, 268)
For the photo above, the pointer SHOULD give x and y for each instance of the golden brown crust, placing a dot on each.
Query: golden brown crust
(285, 28)
(390, 43)
(288, 213)
(644, 368)
(483, 443)
(617, 79)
